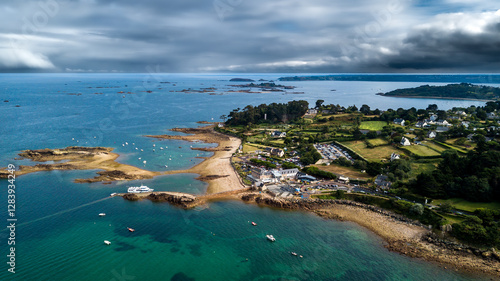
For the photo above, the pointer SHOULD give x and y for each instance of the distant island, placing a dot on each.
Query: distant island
(428, 78)
(451, 91)
(242, 80)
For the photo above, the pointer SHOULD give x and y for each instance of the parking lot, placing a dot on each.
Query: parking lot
(332, 151)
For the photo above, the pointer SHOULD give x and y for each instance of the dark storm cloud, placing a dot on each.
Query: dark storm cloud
(243, 35)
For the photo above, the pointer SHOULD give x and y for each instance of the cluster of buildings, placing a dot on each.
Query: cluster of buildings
(272, 176)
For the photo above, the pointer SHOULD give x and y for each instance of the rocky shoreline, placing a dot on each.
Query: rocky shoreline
(403, 235)
(81, 158)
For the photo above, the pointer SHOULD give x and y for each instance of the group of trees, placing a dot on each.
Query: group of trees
(266, 164)
(272, 113)
(480, 229)
(474, 177)
(311, 170)
(308, 154)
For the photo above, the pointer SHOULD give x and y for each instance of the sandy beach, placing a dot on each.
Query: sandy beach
(216, 170)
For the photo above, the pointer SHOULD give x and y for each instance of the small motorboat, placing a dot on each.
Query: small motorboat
(301, 256)
(130, 229)
(270, 238)
(293, 253)
(102, 214)
(107, 242)
(112, 194)
(254, 223)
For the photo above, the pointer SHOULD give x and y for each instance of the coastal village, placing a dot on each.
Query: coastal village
(344, 138)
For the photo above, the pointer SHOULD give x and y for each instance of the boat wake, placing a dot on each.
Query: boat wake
(60, 213)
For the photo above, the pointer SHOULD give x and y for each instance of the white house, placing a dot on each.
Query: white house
(278, 134)
(491, 115)
(277, 152)
(343, 179)
(421, 124)
(312, 111)
(443, 123)
(394, 156)
(399, 121)
(405, 141)
(431, 134)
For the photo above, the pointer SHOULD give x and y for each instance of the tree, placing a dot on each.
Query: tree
(432, 107)
(446, 207)
(365, 109)
(319, 103)
(417, 209)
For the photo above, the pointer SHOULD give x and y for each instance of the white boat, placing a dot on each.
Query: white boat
(107, 242)
(270, 238)
(102, 214)
(293, 253)
(112, 194)
(139, 189)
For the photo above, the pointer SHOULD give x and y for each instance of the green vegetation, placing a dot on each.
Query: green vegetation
(480, 229)
(350, 172)
(266, 164)
(371, 154)
(462, 91)
(376, 142)
(468, 206)
(372, 125)
(422, 150)
(475, 177)
(311, 170)
(273, 113)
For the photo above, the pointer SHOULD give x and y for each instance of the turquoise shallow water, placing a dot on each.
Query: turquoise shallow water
(59, 235)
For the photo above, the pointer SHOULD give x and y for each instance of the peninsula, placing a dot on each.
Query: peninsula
(465, 91)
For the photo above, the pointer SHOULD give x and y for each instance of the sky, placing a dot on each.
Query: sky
(285, 36)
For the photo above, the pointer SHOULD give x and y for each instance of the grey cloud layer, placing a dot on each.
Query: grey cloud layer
(253, 36)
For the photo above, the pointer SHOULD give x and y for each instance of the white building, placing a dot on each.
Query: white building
(405, 141)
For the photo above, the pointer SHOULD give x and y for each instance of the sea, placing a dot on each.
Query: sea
(55, 226)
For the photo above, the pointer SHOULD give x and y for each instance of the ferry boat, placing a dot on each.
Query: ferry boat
(270, 238)
(139, 189)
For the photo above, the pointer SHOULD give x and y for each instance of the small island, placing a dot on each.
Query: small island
(241, 80)
(464, 91)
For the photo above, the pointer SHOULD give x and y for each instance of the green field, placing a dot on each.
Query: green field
(377, 142)
(436, 147)
(422, 150)
(417, 168)
(371, 154)
(344, 171)
(462, 204)
(372, 125)
(452, 218)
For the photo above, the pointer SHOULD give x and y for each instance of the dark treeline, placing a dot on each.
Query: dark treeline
(474, 177)
(462, 90)
(272, 113)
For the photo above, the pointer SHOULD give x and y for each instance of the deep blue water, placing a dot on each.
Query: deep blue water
(60, 237)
